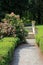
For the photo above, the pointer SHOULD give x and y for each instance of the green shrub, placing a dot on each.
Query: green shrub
(37, 40)
(39, 37)
(21, 32)
(7, 46)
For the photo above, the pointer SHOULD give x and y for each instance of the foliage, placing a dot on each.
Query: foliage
(13, 25)
(39, 37)
(21, 31)
(29, 8)
(26, 21)
(7, 47)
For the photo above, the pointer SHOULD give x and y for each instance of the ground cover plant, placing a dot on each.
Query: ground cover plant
(7, 46)
(39, 36)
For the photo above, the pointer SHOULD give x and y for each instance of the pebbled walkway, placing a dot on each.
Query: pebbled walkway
(27, 54)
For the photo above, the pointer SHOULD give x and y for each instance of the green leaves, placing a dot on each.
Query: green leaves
(39, 37)
(7, 46)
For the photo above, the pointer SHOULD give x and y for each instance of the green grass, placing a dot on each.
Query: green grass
(40, 30)
(39, 37)
(7, 46)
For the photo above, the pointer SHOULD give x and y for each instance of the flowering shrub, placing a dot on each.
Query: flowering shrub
(13, 25)
(6, 29)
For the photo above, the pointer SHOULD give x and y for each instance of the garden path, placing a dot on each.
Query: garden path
(27, 54)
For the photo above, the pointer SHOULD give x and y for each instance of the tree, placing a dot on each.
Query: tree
(31, 9)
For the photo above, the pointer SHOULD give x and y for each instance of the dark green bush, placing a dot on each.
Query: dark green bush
(21, 32)
(26, 21)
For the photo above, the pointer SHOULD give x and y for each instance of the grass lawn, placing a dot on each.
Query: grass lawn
(39, 37)
(7, 46)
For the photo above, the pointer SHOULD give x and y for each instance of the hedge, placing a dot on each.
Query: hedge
(39, 37)
(7, 46)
